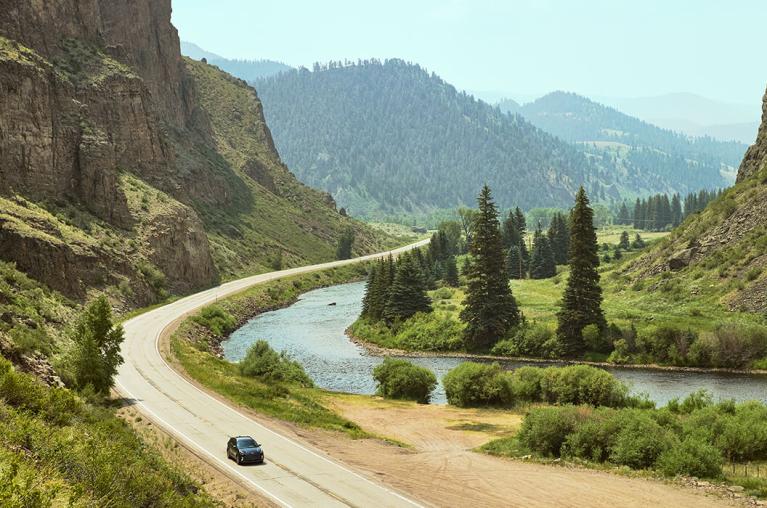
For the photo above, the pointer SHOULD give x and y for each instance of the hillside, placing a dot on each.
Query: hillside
(128, 170)
(683, 163)
(388, 138)
(249, 70)
(721, 250)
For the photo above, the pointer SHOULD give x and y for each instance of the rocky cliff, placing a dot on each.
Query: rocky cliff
(756, 156)
(121, 171)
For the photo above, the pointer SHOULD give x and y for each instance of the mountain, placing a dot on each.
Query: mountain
(249, 70)
(128, 170)
(389, 138)
(693, 115)
(719, 253)
(687, 163)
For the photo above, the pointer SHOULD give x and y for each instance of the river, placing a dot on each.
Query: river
(312, 332)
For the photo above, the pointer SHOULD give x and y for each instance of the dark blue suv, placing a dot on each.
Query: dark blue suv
(244, 450)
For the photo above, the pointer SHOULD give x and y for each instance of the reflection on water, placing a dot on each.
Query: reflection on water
(312, 332)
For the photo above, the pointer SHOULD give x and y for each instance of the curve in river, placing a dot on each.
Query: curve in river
(312, 332)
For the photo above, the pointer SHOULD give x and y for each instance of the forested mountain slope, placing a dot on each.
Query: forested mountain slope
(127, 169)
(686, 163)
(722, 250)
(388, 137)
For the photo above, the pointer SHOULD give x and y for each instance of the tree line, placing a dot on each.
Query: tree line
(661, 212)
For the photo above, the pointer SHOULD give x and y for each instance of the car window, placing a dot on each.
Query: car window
(246, 442)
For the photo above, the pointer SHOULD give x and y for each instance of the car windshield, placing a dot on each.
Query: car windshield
(246, 442)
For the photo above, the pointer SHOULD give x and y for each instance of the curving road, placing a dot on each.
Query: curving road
(294, 475)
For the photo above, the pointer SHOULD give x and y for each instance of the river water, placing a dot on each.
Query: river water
(312, 332)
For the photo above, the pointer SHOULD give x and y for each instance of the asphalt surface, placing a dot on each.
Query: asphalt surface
(294, 473)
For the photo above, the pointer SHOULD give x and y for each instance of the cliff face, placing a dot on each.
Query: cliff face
(127, 169)
(756, 156)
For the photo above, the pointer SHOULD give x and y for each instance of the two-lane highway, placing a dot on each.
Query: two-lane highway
(295, 474)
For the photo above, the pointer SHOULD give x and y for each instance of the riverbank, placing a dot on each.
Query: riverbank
(377, 350)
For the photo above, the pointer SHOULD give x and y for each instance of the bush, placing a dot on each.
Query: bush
(443, 294)
(400, 379)
(429, 332)
(544, 430)
(535, 341)
(583, 384)
(526, 383)
(216, 319)
(477, 384)
(263, 362)
(640, 441)
(691, 457)
(595, 340)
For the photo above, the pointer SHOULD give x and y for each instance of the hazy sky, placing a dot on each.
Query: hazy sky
(608, 48)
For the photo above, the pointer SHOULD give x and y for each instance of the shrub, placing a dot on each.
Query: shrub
(400, 379)
(535, 341)
(595, 340)
(443, 294)
(583, 384)
(216, 319)
(526, 383)
(429, 332)
(640, 441)
(544, 430)
(691, 457)
(735, 346)
(477, 384)
(264, 362)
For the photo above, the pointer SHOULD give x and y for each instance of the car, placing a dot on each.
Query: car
(244, 450)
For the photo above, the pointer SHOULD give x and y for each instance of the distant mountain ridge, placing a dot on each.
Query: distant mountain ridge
(248, 70)
(390, 138)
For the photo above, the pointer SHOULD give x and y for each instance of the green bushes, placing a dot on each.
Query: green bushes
(476, 384)
(216, 319)
(422, 332)
(263, 362)
(400, 379)
(530, 340)
(691, 437)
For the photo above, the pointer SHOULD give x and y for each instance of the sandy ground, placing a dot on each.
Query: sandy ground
(441, 469)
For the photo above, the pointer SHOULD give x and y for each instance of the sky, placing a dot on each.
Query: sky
(516, 48)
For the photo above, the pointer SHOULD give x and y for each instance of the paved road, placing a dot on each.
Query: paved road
(295, 474)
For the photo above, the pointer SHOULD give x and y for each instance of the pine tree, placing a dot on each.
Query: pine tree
(624, 242)
(451, 272)
(542, 264)
(407, 296)
(515, 263)
(345, 244)
(638, 215)
(676, 210)
(559, 238)
(96, 353)
(582, 301)
(376, 292)
(617, 254)
(490, 308)
(623, 215)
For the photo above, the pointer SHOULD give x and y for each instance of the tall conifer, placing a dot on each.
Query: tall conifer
(582, 301)
(490, 308)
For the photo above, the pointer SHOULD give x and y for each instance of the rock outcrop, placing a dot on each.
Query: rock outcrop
(756, 156)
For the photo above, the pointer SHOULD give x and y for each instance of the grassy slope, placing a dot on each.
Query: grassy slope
(279, 214)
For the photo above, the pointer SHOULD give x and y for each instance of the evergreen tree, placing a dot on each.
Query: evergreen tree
(617, 254)
(638, 243)
(345, 244)
(624, 242)
(451, 272)
(542, 264)
(638, 215)
(559, 238)
(623, 215)
(96, 352)
(582, 301)
(407, 296)
(490, 308)
(515, 263)
(676, 210)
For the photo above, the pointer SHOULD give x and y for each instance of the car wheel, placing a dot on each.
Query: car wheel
(238, 459)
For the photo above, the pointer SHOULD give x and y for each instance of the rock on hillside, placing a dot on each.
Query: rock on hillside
(118, 170)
